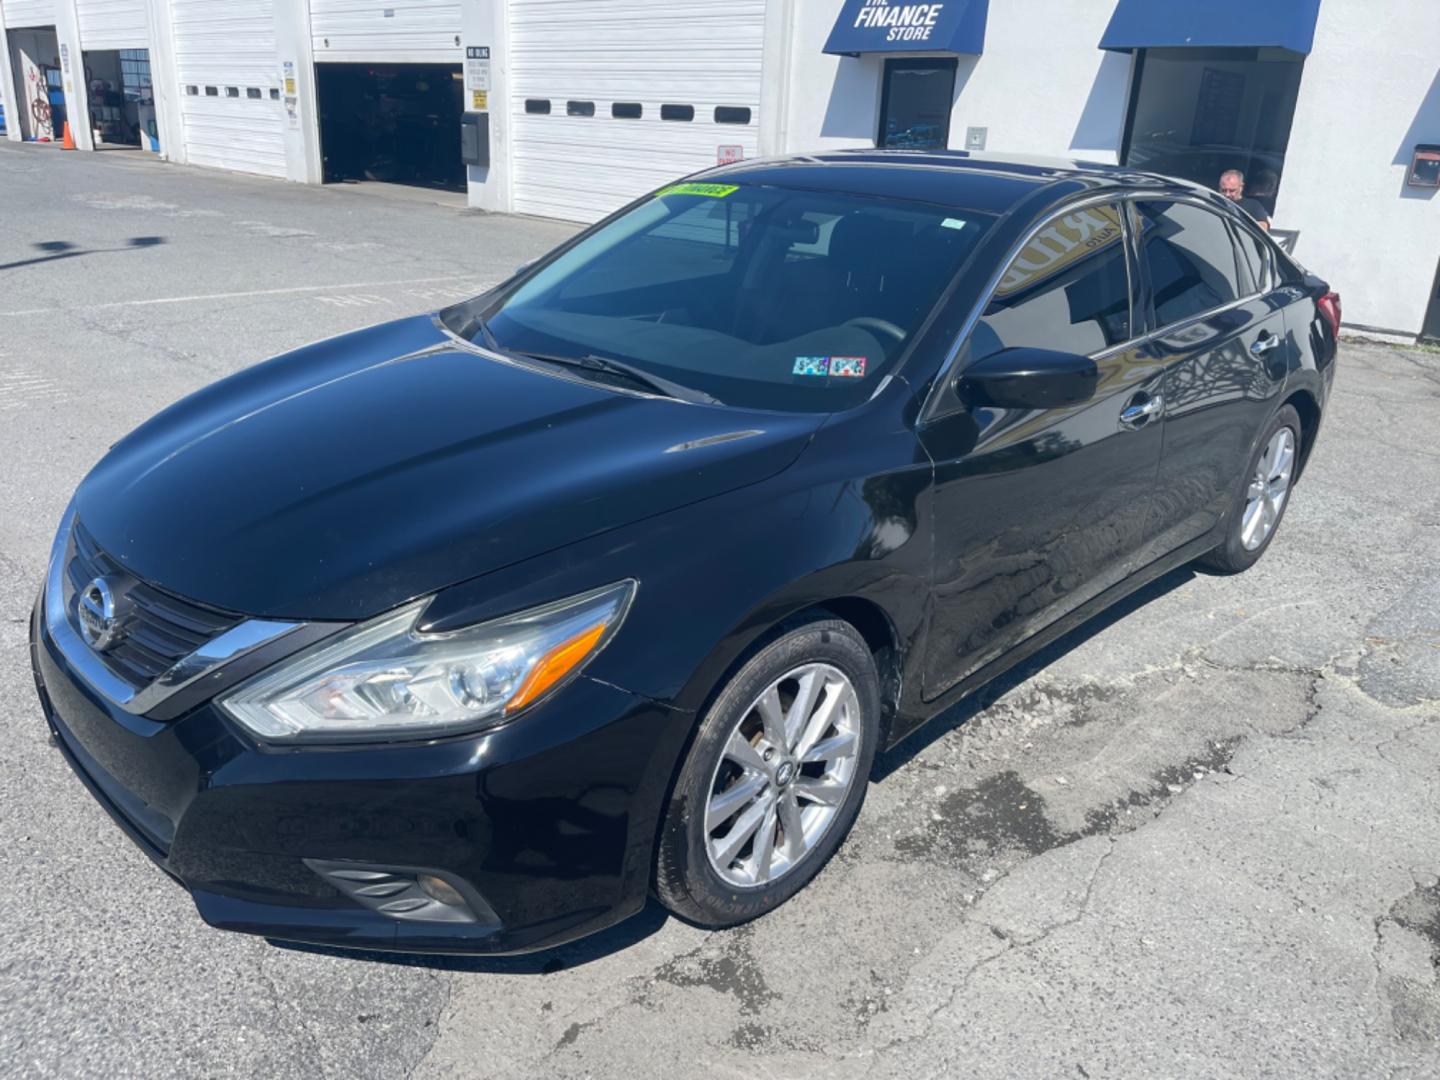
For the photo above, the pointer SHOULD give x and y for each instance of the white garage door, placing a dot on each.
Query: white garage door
(113, 24)
(691, 72)
(392, 31)
(20, 13)
(225, 55)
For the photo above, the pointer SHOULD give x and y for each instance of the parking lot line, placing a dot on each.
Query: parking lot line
(240, 295)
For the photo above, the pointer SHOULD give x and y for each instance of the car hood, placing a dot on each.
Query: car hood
(352, 475)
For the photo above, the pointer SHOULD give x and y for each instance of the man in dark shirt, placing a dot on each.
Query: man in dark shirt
(1232, 186)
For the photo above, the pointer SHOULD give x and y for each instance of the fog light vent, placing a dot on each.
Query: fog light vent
(413, 894)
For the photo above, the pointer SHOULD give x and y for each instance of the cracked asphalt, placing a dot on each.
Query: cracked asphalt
(1198, 837)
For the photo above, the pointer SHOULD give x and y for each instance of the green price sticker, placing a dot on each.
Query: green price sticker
(708, 191)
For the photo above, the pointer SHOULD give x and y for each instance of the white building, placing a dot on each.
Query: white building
(577, 106)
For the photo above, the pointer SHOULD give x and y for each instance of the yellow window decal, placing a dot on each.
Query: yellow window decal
(709, 191)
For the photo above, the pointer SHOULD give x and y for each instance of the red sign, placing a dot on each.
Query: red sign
(728, 155)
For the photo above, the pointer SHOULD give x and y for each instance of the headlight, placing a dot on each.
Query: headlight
(384, 679)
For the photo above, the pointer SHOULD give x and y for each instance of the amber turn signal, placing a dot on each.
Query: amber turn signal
(555, 665)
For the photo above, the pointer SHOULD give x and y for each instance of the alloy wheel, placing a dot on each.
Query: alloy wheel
(785, 772)
(1268, 489)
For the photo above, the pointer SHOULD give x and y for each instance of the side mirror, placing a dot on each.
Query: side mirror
(1028, 379)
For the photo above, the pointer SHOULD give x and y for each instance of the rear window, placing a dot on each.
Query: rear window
(761, 297)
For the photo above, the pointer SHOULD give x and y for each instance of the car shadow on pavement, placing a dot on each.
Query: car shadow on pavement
(576, 954)
(891, 760)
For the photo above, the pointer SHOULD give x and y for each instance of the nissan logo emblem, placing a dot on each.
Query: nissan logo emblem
(95, 612)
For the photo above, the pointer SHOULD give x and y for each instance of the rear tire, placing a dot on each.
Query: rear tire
(775, 778)
(1261, 497)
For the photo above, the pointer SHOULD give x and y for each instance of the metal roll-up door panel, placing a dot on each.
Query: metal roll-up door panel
(647, 52)
(229, 44)
(113, 24)
(22, 13)
(357, 31)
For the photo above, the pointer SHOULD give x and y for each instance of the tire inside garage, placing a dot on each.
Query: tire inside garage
(391, 123)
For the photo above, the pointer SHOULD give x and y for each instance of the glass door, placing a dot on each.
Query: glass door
(915, 103)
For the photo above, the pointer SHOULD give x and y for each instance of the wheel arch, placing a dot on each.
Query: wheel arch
(1308, 409)
(871, 620)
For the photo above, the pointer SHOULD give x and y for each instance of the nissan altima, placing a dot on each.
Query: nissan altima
(470, 631)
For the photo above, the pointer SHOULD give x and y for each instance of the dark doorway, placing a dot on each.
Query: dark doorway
(1196, 113)
(1430, 332)
(391, 123)
(121, 97)
(915, 104)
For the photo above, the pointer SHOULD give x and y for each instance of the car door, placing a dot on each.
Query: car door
(1037, 511)
(1220, 335)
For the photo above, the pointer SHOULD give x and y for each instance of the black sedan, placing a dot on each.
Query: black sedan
(469, 631)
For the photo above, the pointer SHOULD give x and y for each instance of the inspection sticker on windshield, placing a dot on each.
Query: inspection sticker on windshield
(812, 365)
(847, 367)
(709, 191)
(953, 223)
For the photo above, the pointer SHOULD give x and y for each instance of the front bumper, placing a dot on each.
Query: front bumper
(551, 819)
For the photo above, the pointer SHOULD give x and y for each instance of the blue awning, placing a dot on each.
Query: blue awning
(886, 26)
(1245, 24)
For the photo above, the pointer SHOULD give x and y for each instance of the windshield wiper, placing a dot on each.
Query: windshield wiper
(476, 325)
(591, 362)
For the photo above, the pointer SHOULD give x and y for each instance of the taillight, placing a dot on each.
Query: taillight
(1329, 306)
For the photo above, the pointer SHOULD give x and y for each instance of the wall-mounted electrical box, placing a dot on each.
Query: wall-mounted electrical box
(475, 138)
(1425, 166)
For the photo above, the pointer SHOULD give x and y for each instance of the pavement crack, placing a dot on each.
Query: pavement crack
(1013, 945)
(282, 1007)
(436, 1024)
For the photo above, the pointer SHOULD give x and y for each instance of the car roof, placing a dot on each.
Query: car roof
(983, 182)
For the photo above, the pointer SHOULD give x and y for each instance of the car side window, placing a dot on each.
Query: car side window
(1068, 289)
(1252, 259)
(1191, 259)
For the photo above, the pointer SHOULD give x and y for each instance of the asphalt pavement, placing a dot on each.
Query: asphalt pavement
(1200, 837)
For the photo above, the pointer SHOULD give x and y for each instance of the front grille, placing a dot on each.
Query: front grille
(161, 628)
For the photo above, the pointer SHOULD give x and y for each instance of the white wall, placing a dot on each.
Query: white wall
(1043, 86)
(1052, 93)
(487, 24)
(165, 81)
(833, 102)
(303, 162)
(1371, 89)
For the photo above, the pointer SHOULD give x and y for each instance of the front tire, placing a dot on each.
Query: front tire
(1263, 495)
(775, 778)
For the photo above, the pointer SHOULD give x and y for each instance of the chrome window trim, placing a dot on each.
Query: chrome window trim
(933, 408)
(240, 639)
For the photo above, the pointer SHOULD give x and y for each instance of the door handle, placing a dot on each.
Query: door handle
(1264, 343)
(1138, 412)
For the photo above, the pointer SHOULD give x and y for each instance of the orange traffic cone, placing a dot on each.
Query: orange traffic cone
(69, 141)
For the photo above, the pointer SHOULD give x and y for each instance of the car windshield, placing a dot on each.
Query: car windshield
(759, 297)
